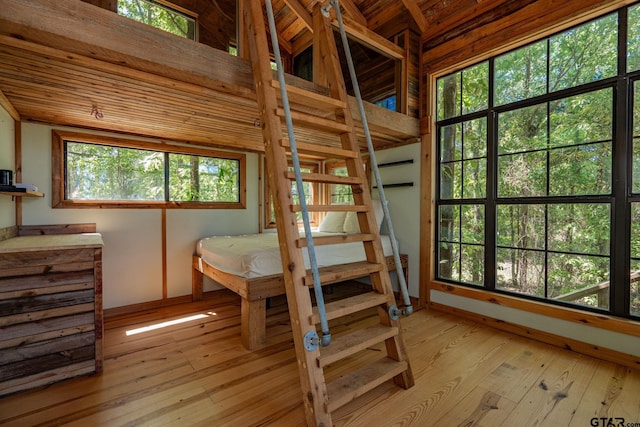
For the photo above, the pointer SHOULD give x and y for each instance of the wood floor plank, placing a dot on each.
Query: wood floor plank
(479, 407)
(614, 392)
(197, 373)
(554, 395)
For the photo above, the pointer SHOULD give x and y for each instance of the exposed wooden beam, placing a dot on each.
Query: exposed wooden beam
(7, 105)
(370, 38)
(285, 44)
(416, 14)
(353, 11)
(300, 12)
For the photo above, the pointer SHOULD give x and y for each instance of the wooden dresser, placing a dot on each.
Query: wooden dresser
(51, 324)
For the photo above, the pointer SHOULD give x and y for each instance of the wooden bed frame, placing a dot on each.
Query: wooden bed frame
(255, 291)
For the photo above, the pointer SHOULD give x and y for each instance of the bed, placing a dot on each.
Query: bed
(250, 266)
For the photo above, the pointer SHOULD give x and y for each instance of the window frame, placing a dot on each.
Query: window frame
(314, 217)
(619, 199)
(58, 173)
(172, 7)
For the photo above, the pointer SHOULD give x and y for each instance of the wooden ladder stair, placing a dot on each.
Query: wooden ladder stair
(319, 397)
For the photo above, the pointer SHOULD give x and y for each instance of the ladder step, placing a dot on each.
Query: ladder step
(320, 150)
(315, 122)
(349, 305)
(349, 387)
(326, 179)
(342, 272)
(351, 343)
(334, 240)
(314, 99)
(332, 208)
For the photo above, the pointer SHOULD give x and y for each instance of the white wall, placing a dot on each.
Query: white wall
(628, 344)
(404, 204)
(7, 161)
(132, 254)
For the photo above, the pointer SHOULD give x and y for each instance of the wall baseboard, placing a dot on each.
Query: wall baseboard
(149, 305)
(609, 355)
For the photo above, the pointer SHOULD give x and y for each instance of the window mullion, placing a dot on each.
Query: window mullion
(167, 187)
(490, 214)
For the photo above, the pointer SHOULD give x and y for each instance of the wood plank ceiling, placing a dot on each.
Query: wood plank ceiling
(71, 63)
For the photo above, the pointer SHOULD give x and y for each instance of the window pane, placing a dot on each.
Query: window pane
(472, 217)
(636, 137)
(451, 143)
(521, 226)
(451, 180)
(475, 88)
(449, 91)
(472, 264)
(520, 271)
(579, 279)
(521, 74)
(634, 300)
(583, 54)
(585, 169)
(633, 39)
(158, 16)
(579, 228)
(449, 224)
(204, 179)
(341, 194)
(582, 118)
(475, 179)
(475, 138)
(524, 129)
(100, 172)
(522, 175)
(449, 261)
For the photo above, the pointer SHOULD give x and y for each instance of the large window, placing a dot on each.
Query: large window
(160, 14)
(538, 189)
(91, 171)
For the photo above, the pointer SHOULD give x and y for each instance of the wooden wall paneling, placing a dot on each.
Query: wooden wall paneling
(111, 5)
(492, 36)
(110, 40)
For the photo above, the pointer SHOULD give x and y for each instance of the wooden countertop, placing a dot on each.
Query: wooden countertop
(51, 242)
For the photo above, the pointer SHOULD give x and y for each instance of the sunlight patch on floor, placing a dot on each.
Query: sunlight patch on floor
(169, 323)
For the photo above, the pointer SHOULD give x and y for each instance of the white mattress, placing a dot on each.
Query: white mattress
(256, 255)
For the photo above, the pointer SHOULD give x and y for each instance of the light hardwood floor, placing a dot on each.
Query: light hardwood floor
(197, 373)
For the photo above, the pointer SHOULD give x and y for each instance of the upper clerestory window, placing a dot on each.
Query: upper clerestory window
(161, 14)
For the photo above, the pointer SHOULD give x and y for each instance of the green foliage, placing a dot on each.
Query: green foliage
(159, 16)
(584, 54)
(101, 172)
(521, 74)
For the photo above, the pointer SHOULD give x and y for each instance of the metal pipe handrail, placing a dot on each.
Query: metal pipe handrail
(408, 309)
(317, 286)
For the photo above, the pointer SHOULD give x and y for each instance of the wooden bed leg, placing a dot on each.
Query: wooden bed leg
(253, 324)
(196, 284)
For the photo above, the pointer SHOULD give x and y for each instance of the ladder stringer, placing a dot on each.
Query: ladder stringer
(312, 382)
(381, 282)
